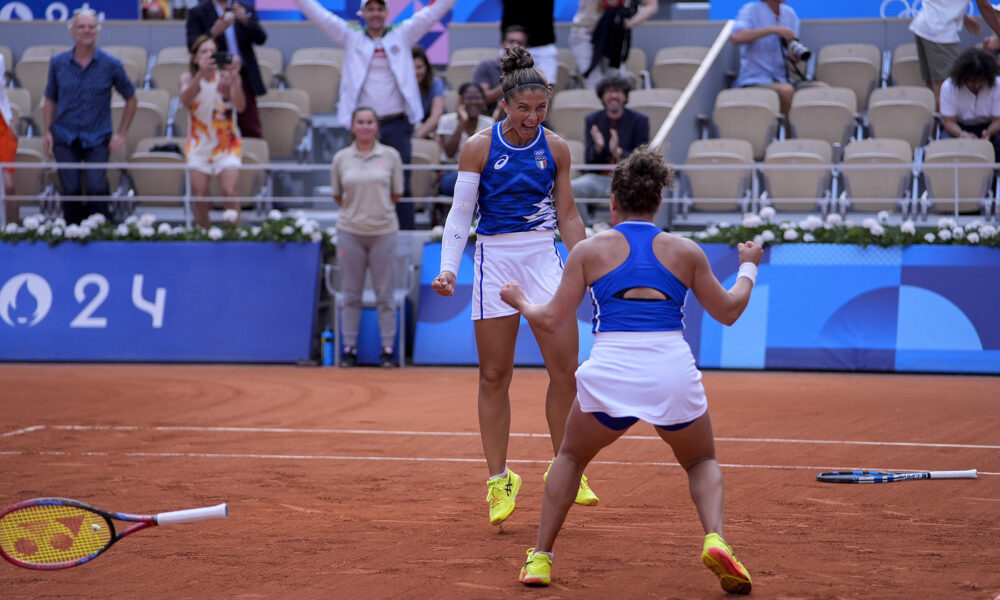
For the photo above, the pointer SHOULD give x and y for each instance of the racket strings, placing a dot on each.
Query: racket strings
(47, 535)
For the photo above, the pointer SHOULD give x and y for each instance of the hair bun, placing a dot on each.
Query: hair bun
(516, 58)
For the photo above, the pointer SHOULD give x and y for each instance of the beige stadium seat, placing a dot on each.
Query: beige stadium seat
(157, 186)
(170, 63)
(270, 62)
(569, 111)
(450, 100)
(422, 181)
(283, 124)
(298, 97)
(33, 73)
(44, 50)
(748, 114)
(255, 152)
(729, 180)
(655, 103)
(902, 112)
(463, 63)
(319, 78)
(30, 182)
(968, 192)
(20, 104)
(637, 66)
(134, 59)
(150, 117)
(674, 66)
(325, 53)
(875, 189)
(905, 68)
(798, 189)
(577, 155)
(825, 113)
(855, 66)
(181, 118)
(8, 59)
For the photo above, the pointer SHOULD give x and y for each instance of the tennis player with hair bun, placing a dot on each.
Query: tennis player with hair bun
(516, 174)
(640, 366)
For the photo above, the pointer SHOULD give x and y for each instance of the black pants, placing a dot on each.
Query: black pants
(978, 130)
(70, 179)
(396, 131)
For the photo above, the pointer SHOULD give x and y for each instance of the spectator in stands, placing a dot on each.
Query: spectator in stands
(611, 135)
(367, 180)
(213, 93)
(970, 98)
(487, 73)
(458, 126)
(762, 31)
(534, 16)
(235, 29)
(618, 18)
(378, 72)
(155, 9)
(431, 94)
(936, 29)
(78, 113)
(8, 146)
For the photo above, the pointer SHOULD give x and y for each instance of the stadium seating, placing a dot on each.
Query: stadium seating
(569, 111)
(170, 63)
(284, 118)
(826, 113)
(906, 66)
(319, 77)
(8, 59)
(902, 112)
(20, 104)
(30, 182)
(463, 63)
(674, 66)
(637, 66)
(969, 191)
(791, 189)
(577, 155)
(731, 180)
(33, 74)
(423, 181)
(134, 60)
(270, 63)
(748, 114)
(150, 116)
(855, 66)
(44, 50)
(655, 103)
(875, 189)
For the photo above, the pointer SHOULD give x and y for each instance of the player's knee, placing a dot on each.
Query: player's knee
(494, 378)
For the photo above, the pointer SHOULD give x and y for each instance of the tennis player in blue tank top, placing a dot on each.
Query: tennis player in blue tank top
(640, 366)
(516, 176)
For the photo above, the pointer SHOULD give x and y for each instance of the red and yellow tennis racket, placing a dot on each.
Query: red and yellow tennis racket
(58, 533)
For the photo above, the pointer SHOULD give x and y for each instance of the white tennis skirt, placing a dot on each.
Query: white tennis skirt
(529, 257)
(646, 374)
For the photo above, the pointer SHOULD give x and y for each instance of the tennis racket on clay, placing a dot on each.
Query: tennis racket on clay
(884, 477)
(59, 533)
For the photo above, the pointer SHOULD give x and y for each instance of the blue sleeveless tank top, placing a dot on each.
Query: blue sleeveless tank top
(612, 312)
(515, 187)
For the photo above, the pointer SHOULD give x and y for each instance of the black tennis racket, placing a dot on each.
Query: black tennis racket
(58, 533)
(884, 477)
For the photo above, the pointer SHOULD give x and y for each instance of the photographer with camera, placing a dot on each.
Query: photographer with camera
(213, 93)
(767, 32)
(234, 28)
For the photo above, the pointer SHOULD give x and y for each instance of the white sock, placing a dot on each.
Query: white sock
(549, 554)
(500, 476)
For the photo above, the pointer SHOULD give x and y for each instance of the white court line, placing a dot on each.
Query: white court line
(22, 431)
(299, 457)
(476, 434)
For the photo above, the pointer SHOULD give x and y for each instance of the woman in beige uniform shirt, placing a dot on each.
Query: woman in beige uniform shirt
(367, 181)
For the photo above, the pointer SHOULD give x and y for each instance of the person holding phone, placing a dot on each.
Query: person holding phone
(213, 93)
(235, 29)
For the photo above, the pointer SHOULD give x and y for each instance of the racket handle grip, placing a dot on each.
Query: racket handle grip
(193, 515)
(970, 474)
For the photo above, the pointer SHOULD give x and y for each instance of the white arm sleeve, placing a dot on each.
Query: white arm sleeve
(456, 227)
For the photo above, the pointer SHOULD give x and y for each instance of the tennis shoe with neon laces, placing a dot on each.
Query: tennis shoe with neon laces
(584, 495)
(501, 493)
(719, 557)
(537, 569)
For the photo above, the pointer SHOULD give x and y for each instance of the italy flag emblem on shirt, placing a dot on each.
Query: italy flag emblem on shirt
(541, 163)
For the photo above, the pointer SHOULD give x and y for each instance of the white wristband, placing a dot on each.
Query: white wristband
(748, 270)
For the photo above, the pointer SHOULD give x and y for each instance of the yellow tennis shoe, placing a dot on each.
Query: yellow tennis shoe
(537, 569)
(584, 495)
(719, 557)
(500, 493)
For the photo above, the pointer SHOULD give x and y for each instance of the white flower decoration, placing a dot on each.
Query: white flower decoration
(767, 235)
(712, 230)
(274, 215)
(163, 229)
(316, 237)
(767, 213)
(834, 219)
(987, 231)
(230, 215)
(147, 220)
(784, 225)
(146, 231)
(287, 230)
(255, 230)
(122, 230)
(214, 234)
(725, 225)
(31, 223)
(60, 222)
(958, 232)
(808, 237)
(946, 222)
(588, 232)
(882, 216)
(758, 239)
(129, 220)
(72, 231)
(908, 227)
(811, 223)
(57, 231)
(973, 237)
(791, 234)
(437, 232)
(930, 237)
(10, 228)
(974, 224)
(599, 227)
(945, 234)
(876, 229)
(701, 235)
(752, 220)
(85, 231)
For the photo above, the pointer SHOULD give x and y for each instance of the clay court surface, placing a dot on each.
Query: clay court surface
(369, 483)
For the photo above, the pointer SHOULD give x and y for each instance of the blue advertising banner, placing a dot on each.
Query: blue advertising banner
(844, 9)
(158, 301)
(62, 10)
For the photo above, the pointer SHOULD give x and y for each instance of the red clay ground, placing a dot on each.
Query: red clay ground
(376, 487)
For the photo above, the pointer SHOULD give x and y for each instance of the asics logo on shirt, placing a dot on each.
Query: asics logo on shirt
(500, 162)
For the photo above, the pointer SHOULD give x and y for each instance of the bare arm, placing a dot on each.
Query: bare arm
(49, 112)
(989, 15)
(333, 26)
(725, 306)
(557, 312)
(647, 10)
(430, 124)
(745, 36)
(190, 84)
(570, 224)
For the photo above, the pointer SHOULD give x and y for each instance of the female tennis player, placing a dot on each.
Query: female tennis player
(517, 174)
(640, 366)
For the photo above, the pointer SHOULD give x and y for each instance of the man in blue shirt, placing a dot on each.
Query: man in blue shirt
(762, 29)
(78, 114)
